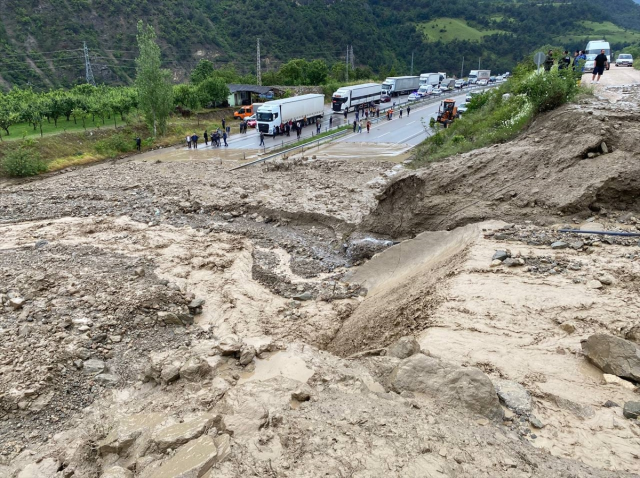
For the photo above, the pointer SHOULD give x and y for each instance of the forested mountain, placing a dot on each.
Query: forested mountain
(41, 40)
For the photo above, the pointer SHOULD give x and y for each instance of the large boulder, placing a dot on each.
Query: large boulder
(192, 460)
(46, 468)
(613, 355)
(403, 348)
(448, 384)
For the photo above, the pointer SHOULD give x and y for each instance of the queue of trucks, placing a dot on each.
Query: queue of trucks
(272, 115)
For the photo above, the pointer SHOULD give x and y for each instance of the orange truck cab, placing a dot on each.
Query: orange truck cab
(246, 111)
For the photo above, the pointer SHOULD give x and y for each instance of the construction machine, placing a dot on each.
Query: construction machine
(448, 112)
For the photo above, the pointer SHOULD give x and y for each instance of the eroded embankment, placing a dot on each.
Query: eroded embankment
(575, 160)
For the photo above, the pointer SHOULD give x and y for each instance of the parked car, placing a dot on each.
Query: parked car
(624, 59)
(267, 96)
(459, 83)
(251, 121)
(385, 99)
(436, 92)
(414, 96)
(462, 109)
(492, 79)
(482, 82)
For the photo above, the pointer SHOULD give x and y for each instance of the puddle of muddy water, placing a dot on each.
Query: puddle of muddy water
(280, 364)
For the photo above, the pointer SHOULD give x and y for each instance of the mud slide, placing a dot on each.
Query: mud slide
(575, 160)
(405, 284)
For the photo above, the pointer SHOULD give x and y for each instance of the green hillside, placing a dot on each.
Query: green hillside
(41, 40)
(450, 29)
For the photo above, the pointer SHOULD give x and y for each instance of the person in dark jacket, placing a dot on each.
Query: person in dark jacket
(194, 141)
(224, 138)
(261, 139)
(223, 124)
(206, 138)
(601, 63)
(138, 143)
(548, 62)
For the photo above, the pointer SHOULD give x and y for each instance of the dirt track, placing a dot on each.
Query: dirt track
(164, 315)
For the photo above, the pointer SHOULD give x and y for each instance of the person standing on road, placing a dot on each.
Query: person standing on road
(355, 125)
(194, 140)
(138, 143)
(345, 114)
(400, 113)
(357, 115)
(368, 125)
(318, 126)
(224, 123)
(188, 141)
(206, 138)
(601, 62)
(224, 138)
(377, 112)
(360, 126)
(408, 110)
(261, 138)
(330, 121)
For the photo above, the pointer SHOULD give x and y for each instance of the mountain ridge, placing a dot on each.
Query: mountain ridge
(41, 40)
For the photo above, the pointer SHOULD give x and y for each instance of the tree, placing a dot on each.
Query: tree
(317, 72)
(9, 114)
(155, 92)
(213, 90)
(203, 70)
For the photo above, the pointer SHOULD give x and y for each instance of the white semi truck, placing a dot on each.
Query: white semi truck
(273, 115)
(400, 85)
(475, 75)
(349, 98)
(432, 79)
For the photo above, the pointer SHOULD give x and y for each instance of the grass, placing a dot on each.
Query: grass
(449, 29)
(601, 30)
(78, 147)
(25, 130)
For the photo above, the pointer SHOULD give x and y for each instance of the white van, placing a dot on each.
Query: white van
(425, 90)
(595, 46)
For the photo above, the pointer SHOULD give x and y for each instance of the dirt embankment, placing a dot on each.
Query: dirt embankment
(579, 159)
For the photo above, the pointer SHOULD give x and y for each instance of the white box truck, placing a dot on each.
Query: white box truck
(475, 75)
(400, 85)
(432, 79)
(349, 98)
(273, 114)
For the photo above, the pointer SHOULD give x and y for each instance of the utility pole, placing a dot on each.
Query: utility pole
(411, 63)
(462, 69)
(347, 65)
(258, 66)
(479, 63)
(87, 64)
(352, 59)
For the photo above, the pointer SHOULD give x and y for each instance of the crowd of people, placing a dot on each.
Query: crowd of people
(577, 63)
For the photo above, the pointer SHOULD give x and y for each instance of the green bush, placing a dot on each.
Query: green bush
(548, 91)
(113, 145)
(23, 161)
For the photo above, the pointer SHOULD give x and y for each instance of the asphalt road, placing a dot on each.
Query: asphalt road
(408, 130)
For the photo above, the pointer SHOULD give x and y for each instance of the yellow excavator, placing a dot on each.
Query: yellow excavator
(448, 112)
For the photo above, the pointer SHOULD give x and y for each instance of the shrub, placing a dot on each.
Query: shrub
(23, 161)
(548, 91)
(117, 143)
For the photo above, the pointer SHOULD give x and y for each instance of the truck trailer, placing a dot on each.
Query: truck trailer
(349, 98)
(432, 79)
(273, 115)
(475, 75)
(400, 85)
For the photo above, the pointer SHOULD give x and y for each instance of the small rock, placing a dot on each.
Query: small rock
(139, 272)
(496, 263)
(613, 379)
(500, 256)
(93, 366)
(511, 262)
(304, 296)
(568, 327)
(514, 396)
(117, 472)
(403, 347)
(301, 396)
(610, 404)
(631, 410)
(195, 369)
(535, 422)
(604, 148)
(577, 245)
(107, 378)
(594, 284)
(606, 279)
(559, 245)
(613, 355)
(16, 303)
(170, 372)
(247, 354)
(40, 244)
(169, 318)
(229, 345)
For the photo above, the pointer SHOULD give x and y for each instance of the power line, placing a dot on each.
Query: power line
(88, 71)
